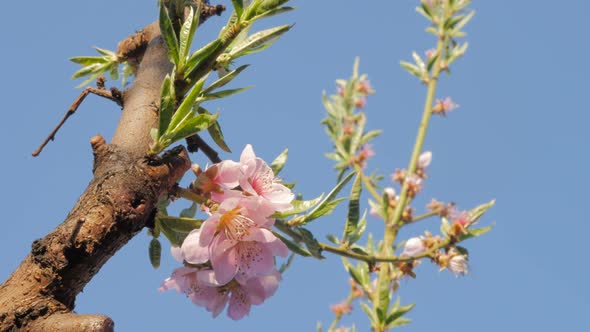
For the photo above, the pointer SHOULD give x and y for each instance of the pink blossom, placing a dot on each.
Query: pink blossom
(442, 106)
(414, 247)
(424, 159)
(258, 179)
(204, 290)
(187, 280)
(217, 177)
(415, 182)
(254, 292)
(236, 241)
(458, 265)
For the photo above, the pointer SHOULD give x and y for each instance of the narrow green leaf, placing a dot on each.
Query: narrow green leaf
(184, 111)
(238, 7)
(399, 322)
(201, 55)
(353, 209)
(224, 80)
(330, 196)
(215, 132)
(187, 32)
(399, 312)
(114, 72)
(298, 207)
(88, 60)
(193, 126)
(360, 229)
(477, 212)
(370, 313)
(106, 53)
(273, 12)
(224, 93)
(412, 69)
(175, 237)
(167, 105)
(155, 253)
(367, 137)
(311, 243)
(445, 226)
(279, 162)
(475, 232)
(97, 68)
(332, 238)
(293, 246)
(323, 210)
(180, 224)
(169, 35)
(258, 41)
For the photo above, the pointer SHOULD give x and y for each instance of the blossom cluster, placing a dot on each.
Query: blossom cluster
(231, 257)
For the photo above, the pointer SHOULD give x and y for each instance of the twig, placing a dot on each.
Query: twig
(195, 142)
(114, 94)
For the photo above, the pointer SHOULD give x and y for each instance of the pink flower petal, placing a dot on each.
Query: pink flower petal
(239, 304)
(247, 154)
(225, 265)
(192, 251)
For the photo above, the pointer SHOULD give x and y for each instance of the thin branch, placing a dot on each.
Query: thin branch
(373, 259)
(195, 142)
(114, 94)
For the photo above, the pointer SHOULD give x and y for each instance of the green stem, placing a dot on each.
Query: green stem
(423, 216)
(368, 184)
(392, 224)
(191, 196)
(375, 259)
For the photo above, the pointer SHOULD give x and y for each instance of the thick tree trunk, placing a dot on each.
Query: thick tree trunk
(119, 201)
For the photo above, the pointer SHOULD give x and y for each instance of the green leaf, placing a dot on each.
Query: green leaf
(167, 105)
(317, 211)
(399, 322)
(332, 238)
(193, 126)
(273, 12)
(189, 212)
(311, 243)
(175, 238)
(353, 209)
(180, 224)
(96, 68)
(155, 253)
(88, 60)
(279, 162)
(184, 111)
(479, 211)
(293, 246)
(412, 69)
(187, 33)
(201, 55)
(367, 137)
(475, 232)
(370, 313)
(224, 93)
(360, 230)
(225, 79)
(298, 207)
(238, 7)
(324, 210)
(169, 35)
(258, 41)
(106, 53)
(445, 226)
(398, 313)
(215, 132)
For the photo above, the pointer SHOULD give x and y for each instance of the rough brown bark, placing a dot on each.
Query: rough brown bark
(119, 201)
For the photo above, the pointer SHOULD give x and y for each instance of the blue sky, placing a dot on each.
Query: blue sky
(520, 136)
